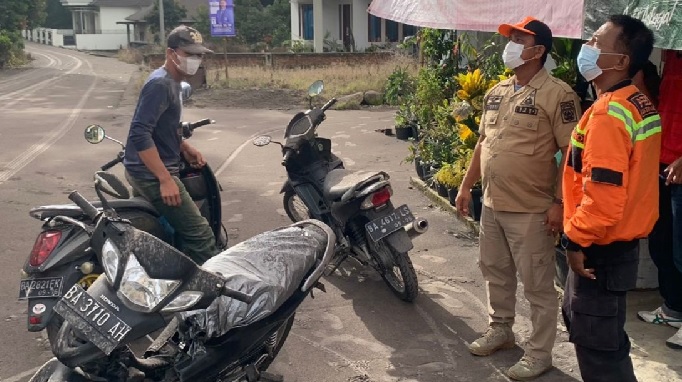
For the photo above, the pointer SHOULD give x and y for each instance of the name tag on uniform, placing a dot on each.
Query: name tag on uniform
(530, 110)
(493, 103)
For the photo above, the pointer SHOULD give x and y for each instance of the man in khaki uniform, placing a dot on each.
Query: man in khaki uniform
(526, 120)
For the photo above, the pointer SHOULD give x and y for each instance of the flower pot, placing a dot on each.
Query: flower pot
(415, 131)
(476, 204)
(452, 195)
(419, 168)
(428, 173)
(442, 190)
(403, 132)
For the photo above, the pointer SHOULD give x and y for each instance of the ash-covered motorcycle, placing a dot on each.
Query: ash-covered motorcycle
(227, 320)
(357, 205)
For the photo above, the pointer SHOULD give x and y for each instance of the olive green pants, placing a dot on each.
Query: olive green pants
(193, 234)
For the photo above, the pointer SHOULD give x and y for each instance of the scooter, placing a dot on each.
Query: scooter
(357, 205)
(228, 319)
(61, 255)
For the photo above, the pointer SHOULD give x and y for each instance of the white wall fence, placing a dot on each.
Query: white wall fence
(106, 40)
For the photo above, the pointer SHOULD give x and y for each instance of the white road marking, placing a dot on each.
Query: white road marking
(239, 149)
(29, 155)
(20, 376)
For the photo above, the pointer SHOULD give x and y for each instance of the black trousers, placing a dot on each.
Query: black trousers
(661, 249)
(594, 312)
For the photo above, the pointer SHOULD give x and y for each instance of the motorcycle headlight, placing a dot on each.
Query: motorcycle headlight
(141, 290)
(184, 301)
(110, 259)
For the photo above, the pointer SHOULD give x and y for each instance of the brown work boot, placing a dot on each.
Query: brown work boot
(529, 368)
(498, 336)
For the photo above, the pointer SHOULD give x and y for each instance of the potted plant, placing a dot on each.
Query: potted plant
(476, 204)
(404, 121)
(449, 177)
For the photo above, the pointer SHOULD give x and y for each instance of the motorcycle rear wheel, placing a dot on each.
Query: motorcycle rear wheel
(401, 278)
(294, 207)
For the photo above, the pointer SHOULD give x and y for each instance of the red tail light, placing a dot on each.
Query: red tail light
(382, 196)
(43, 247)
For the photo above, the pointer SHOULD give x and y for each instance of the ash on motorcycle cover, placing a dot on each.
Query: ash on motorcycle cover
(269, 266)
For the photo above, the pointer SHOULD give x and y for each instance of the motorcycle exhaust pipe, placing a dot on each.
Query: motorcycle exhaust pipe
(417, 227)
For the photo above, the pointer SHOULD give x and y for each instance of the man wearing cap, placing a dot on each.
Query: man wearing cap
(526, 120)
(154, 147)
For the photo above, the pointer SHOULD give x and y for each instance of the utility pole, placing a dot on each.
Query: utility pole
(162, 24)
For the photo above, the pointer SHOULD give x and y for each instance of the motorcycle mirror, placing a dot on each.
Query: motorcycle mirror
(186, 90)
(94, 134)
(262, 140)
(316, 88)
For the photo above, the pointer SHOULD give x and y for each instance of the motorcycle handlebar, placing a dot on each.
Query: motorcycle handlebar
(203, 122)
(329, 104)
(83, 203)
(243, 297)
(112, 163)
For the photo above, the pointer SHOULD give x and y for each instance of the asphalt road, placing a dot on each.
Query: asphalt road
(357, 331)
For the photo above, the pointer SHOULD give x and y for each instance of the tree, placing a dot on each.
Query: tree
(173, 13)
(16, 15)
(256, 23)
(58, 17)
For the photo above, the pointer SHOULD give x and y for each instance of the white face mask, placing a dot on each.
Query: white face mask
(512, 55)
(188, 65)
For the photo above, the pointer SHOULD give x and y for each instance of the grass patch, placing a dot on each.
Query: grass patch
(339, 80)
(130, 56)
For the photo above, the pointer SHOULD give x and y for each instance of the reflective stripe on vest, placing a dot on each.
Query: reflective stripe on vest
(638, 131)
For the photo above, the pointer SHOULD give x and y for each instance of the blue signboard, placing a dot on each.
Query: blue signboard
(221, 14)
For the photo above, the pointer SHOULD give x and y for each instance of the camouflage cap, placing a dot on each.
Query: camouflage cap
(188, 40)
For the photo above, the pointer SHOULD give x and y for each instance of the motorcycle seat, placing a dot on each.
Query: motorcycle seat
(270, 267)
(73, 211)
(339, 181)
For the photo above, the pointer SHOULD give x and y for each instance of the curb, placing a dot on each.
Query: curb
(444, 203)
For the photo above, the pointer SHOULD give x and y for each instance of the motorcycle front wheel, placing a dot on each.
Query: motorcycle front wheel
(401, 277)
(294, 207)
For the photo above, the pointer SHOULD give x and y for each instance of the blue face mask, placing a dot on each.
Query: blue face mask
(587, 62)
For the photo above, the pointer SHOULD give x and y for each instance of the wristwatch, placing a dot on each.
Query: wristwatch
(558, 201)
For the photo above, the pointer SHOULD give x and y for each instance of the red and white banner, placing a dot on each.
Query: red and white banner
(565, 18)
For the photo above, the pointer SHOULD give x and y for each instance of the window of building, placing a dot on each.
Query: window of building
(306, 21)
(374, 28)
(409, 30)
(392, 31)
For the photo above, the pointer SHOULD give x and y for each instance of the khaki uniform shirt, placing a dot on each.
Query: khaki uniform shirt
(523, 131)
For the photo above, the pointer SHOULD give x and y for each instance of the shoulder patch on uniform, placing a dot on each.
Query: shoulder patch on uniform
(569, 113)
(493, 102)
(643, 104)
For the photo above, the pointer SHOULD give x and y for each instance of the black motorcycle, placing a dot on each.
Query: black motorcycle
(61, 255)
(227, 320)
(357, 205)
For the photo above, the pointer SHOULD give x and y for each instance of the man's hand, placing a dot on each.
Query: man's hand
(194, 157)
(576, 260)
(555, 219)
(170, 193)
(462, 200)
(674, 172)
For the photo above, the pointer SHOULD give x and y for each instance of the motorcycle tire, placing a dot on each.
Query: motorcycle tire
(53, 371)
(71, 350)
(407, 287)
(282, 334)
(290, 202)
